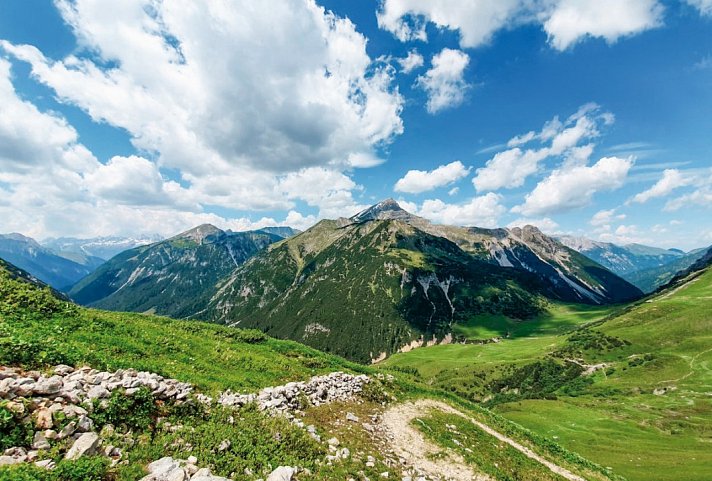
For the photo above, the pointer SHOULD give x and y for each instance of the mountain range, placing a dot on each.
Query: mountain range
(103, 248)
(61, 262)
(389, 278)
(173, 277)
(43, 263)
(646, 267)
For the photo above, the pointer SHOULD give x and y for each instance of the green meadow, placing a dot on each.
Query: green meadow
(646, 412)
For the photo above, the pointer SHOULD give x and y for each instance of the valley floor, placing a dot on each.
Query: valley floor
(646, 411)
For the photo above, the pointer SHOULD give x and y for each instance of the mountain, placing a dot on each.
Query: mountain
(643, 266)
(42, 263)
(102, 248)
(282, 231)
(173, 277)
(622, 259)
(648, 280)
(384, 280)
(212, 403)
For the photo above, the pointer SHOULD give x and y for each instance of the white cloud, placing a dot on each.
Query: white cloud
(570, 21)
(565, 21)
(134, 181)
(701, 197)
(476, 20)
(704, 6)
(327, 189)
(672, 179)
(545, 224)
(445, 82)
(573, 187)
(625, 234)
(214, 92)
(418, 181)
(453, 191)
(604, 217)
(510, 168)
(413, 61)
(482, 211)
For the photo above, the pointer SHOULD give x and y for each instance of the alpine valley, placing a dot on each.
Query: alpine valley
(390, 279)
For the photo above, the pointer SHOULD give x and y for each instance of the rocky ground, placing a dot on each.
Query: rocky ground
(59, 406)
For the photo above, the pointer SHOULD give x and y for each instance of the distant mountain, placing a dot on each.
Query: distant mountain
(43, 263)
(173, 277)
(102, 248)
(282, 231)
(646, 267)
(622, 259)
(385, 280)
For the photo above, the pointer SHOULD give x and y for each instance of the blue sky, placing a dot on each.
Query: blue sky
(153, 119)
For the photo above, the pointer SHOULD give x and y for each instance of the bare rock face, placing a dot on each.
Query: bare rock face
(85, 445)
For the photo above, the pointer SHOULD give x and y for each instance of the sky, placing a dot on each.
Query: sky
(583, 117)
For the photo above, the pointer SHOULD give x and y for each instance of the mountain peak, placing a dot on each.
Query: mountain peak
(387, 209)
(199, 233)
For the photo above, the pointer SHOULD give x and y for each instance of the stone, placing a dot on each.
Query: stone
(192, 460)
(163, 465)
(282, 473)
(46, 464)
(67, 430)
(85, 424)
(39, 441)
(47, 386)
(98, 392)
(85, 445)
(8, 460)
(43, 419)
(351, 417)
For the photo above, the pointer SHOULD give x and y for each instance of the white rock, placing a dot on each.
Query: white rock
(85, 445)
(282, 473)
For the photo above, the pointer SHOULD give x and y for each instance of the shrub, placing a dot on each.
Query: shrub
(132, 412)
(13, 432)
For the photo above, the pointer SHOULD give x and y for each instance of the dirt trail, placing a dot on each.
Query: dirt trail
(410, 444)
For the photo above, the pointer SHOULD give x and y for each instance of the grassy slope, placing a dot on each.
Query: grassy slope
(617, 420)
(37, 330)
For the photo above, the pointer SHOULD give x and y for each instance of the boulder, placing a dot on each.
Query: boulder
(282, 473)
(85, 445)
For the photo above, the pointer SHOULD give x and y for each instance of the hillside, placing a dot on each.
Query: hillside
(173, 277)
(627, 387)
(395, 281)
(51, 268)
(153, 398)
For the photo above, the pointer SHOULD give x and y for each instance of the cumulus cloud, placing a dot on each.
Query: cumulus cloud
(565, 21)
(215, 93)
(411, 62)
(482, 211)
(570, 21)
(704, 6)
(445, 82)
(672, 179)
(604, 217)
(700, 197)
(510, 168)
(625, 234)
(476, 20)
(418, 181)
(569, 188)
